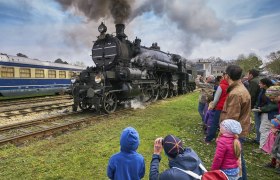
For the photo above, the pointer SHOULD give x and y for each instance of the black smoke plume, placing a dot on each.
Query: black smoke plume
(95, 9)
(190, 22)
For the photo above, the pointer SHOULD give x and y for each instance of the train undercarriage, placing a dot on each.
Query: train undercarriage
(107, 98)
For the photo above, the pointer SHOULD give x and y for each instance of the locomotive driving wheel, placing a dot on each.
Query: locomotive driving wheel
(110, 102)
(164, 87)
(156, 94)
(147, 94)
(155, 87)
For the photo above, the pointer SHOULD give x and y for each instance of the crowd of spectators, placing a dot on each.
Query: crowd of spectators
(237, 99)
(226, 104)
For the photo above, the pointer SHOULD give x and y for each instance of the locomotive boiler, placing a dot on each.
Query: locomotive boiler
(125, 70)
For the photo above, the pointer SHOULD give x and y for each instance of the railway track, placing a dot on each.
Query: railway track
(28, 110)
(33, 100)
(21, 132)
(34, 106)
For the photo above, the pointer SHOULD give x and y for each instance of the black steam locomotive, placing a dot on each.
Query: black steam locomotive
(125, 70)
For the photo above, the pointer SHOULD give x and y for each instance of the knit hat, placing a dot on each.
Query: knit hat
(276, 121)
(172, 146)
(273, 91)
(231, 126)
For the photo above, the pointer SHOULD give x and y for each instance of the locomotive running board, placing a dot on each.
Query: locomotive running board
(144, 81)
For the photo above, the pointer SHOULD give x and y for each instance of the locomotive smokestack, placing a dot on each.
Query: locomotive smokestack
(120, 31)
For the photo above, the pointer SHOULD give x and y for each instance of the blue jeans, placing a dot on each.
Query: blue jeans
(214, 126)
(232, 177)
(244, 171)
(201, 107)
(257, 117)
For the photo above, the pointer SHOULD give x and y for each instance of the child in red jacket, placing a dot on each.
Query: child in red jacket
(228, 149)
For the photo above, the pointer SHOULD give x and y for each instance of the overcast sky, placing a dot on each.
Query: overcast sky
(47, 30)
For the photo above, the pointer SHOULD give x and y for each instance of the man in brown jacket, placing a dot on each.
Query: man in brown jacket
(237, 105)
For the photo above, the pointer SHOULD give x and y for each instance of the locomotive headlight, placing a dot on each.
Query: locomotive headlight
(98, 78)
(73, 80)
(102, 28)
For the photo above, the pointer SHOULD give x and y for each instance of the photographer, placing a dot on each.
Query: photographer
(178, 157)
(206, 89)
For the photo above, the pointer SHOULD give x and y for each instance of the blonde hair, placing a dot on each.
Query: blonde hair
(236, 146)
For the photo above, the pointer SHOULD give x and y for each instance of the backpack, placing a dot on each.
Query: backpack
(207, 175)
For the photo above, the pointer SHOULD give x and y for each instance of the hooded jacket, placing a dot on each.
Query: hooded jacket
(224, 156)
(127, 164)
(186, 161)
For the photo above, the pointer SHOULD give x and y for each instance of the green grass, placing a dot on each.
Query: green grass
(84, 154)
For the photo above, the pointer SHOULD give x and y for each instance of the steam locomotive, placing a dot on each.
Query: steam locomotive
(125, 70)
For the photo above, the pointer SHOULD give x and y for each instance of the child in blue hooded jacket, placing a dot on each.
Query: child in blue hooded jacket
(127, 164)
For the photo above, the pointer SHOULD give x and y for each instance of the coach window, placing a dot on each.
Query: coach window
(39, 73)
(62, 74)
(24, 72)
(7, 72)
(70, 74)
(52, 74)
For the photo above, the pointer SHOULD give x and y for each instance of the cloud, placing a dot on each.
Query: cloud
(259, 35)
(191, 16)
(192, 28)
(41, 30)
(188, 22)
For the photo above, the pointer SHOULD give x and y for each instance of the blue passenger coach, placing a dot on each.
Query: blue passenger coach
(20, 76)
